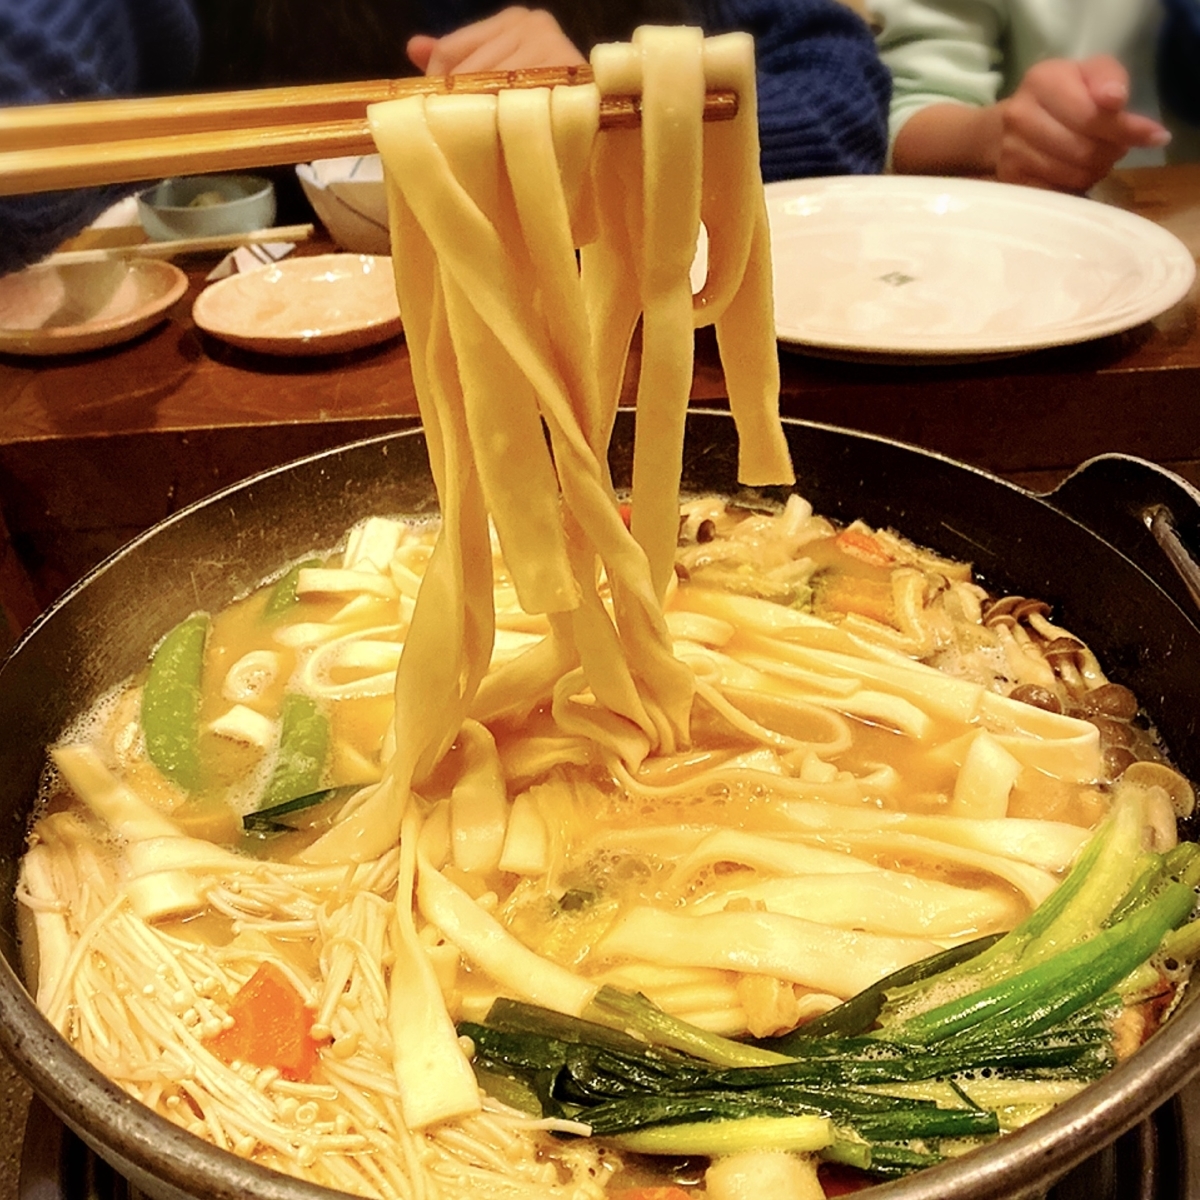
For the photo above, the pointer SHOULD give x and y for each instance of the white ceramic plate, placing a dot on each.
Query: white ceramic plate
(67, 308)
(323, 304)
(919, 268)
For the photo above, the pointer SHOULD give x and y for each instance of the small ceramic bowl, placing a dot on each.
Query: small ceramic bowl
(348, 196)
(206, 205)
(67, 308)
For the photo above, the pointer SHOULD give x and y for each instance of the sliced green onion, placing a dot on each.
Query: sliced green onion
(270, 820)
(797, 1134)
(858, 1014)
(632, 1011)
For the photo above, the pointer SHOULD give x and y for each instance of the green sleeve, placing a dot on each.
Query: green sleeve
(939, 51)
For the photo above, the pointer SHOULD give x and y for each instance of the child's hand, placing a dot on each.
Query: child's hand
(1066, 125)
(514, 38)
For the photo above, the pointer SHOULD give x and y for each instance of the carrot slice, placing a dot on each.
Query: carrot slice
(272, 1027)
(853, 594)
(863, 546)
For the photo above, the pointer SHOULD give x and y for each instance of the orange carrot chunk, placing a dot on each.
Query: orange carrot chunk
(271, 1027)
(854, 594)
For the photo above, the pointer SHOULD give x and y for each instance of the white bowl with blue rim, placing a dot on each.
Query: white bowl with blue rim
(348, 196)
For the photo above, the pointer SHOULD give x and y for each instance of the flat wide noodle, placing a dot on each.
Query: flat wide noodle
(490, 196)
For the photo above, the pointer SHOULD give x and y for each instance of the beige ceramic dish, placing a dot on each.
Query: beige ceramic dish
(317, 305)
(70, 307)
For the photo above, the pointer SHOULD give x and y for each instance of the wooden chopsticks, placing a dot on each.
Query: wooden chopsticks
(177, 247)
(84, 143)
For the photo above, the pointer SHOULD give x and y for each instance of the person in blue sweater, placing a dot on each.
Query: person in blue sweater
(823, 92)
(820, 84)
(80, 50)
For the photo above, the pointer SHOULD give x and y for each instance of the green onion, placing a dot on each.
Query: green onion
(859, 1013)
(632, 1011)
(1150, 871)
(892, 1161)
(1093, 888)
(515, 1016)
(270, 820)
(1030, 1015)
(847, 1150)
(888, 1119)
(798, 1134)
(1100, 878)
(1034, 999)
(516, 1093)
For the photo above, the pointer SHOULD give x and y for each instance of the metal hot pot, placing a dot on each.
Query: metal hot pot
(1106, 550)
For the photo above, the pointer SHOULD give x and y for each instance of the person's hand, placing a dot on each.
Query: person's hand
(514, 38)
(1066, 126)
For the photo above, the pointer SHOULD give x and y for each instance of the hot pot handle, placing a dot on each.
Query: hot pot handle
(1148, 513)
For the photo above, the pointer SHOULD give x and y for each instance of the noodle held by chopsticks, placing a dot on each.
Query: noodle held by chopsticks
(489, 199)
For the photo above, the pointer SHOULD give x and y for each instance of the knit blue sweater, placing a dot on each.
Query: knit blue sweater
(822, 90)
(79, 49)
(823, 93)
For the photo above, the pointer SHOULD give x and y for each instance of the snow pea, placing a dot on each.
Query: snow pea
(283, 594)
(303, 749)
(171, 702)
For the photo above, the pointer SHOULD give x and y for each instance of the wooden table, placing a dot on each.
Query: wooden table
(97, 447)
